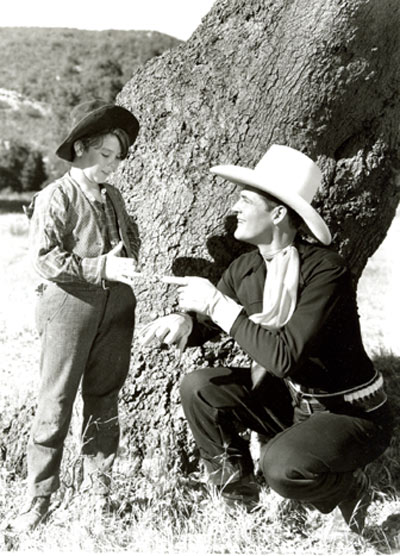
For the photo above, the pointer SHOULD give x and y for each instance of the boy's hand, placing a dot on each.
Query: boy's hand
(117, 249)
(120, 269)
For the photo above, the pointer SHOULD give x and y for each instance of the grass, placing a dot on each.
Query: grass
(170, 516)
(156, 512)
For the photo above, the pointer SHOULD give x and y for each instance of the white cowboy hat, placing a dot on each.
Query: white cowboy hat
(290, 176)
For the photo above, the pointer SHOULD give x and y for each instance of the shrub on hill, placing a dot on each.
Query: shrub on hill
(8, 181)
(21, 167)
(33, 174)
(69, 64)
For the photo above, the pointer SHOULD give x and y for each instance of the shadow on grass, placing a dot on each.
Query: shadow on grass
(385, 471)
(385, 538)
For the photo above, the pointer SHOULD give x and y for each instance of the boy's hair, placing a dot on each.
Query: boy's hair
(96, 139)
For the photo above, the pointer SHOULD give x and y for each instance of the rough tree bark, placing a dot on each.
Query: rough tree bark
(318, 75)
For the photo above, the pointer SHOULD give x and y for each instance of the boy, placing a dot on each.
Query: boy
(85, 247)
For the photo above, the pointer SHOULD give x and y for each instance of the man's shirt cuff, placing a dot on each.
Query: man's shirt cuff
(225, 311)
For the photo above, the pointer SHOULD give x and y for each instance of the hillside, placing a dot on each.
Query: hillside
(51, 64)
(53, 69)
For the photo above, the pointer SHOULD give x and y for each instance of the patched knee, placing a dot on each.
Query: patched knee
(51, 424)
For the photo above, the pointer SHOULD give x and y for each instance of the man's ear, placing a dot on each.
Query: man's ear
(278, 214)
(78, 147)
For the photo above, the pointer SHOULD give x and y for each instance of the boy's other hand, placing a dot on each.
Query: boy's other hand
(120, 269)
(117, 249)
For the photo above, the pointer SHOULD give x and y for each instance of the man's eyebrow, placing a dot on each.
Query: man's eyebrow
(244, 195)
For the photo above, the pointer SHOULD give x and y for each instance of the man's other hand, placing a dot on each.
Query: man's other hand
(173, 329)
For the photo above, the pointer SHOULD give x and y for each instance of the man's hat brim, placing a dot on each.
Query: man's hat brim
(107, 117)
(245, 176)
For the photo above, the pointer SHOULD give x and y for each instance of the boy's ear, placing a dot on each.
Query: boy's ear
(78, 147)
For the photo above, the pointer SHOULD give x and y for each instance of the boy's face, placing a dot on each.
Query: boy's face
(98, 162)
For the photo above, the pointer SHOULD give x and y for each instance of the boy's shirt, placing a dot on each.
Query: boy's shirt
(71, 234)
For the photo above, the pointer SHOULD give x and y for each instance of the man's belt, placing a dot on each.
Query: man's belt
(366, 397)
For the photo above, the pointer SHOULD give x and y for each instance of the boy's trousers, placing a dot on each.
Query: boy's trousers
(86, 334)
(312, 460)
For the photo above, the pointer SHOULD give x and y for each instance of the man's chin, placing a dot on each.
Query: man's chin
(240, 237)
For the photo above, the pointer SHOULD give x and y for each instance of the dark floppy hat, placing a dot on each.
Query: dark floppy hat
(92, 117)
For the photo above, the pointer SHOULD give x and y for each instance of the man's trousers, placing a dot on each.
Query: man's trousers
(86, 335)
(309, 457)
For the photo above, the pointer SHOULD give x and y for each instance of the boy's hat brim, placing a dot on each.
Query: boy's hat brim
(92, 117)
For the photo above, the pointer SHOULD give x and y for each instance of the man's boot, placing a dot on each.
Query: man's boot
(355, 506)
(244, 492)
(34, 513)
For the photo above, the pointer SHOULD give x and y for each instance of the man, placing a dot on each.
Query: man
(312, 391)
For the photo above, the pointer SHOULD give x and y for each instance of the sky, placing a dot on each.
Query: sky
(178, 18)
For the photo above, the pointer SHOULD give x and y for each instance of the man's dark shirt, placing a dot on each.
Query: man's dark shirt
(320, 347)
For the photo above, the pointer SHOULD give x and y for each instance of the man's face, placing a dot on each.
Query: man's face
(98, 162)
(254, 218)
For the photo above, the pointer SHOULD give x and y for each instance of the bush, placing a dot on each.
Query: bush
(8, 180)
(22, 168)
(13, 156)
(33, 173)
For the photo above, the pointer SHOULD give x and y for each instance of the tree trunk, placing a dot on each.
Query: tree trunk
(321, 76)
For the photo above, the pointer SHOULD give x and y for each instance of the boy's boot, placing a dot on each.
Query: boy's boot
(31, 516)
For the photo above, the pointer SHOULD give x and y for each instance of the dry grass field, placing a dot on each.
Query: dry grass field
(159, 514)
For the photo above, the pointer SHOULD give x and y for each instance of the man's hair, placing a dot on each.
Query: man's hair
(294, 218)
(96, 139)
